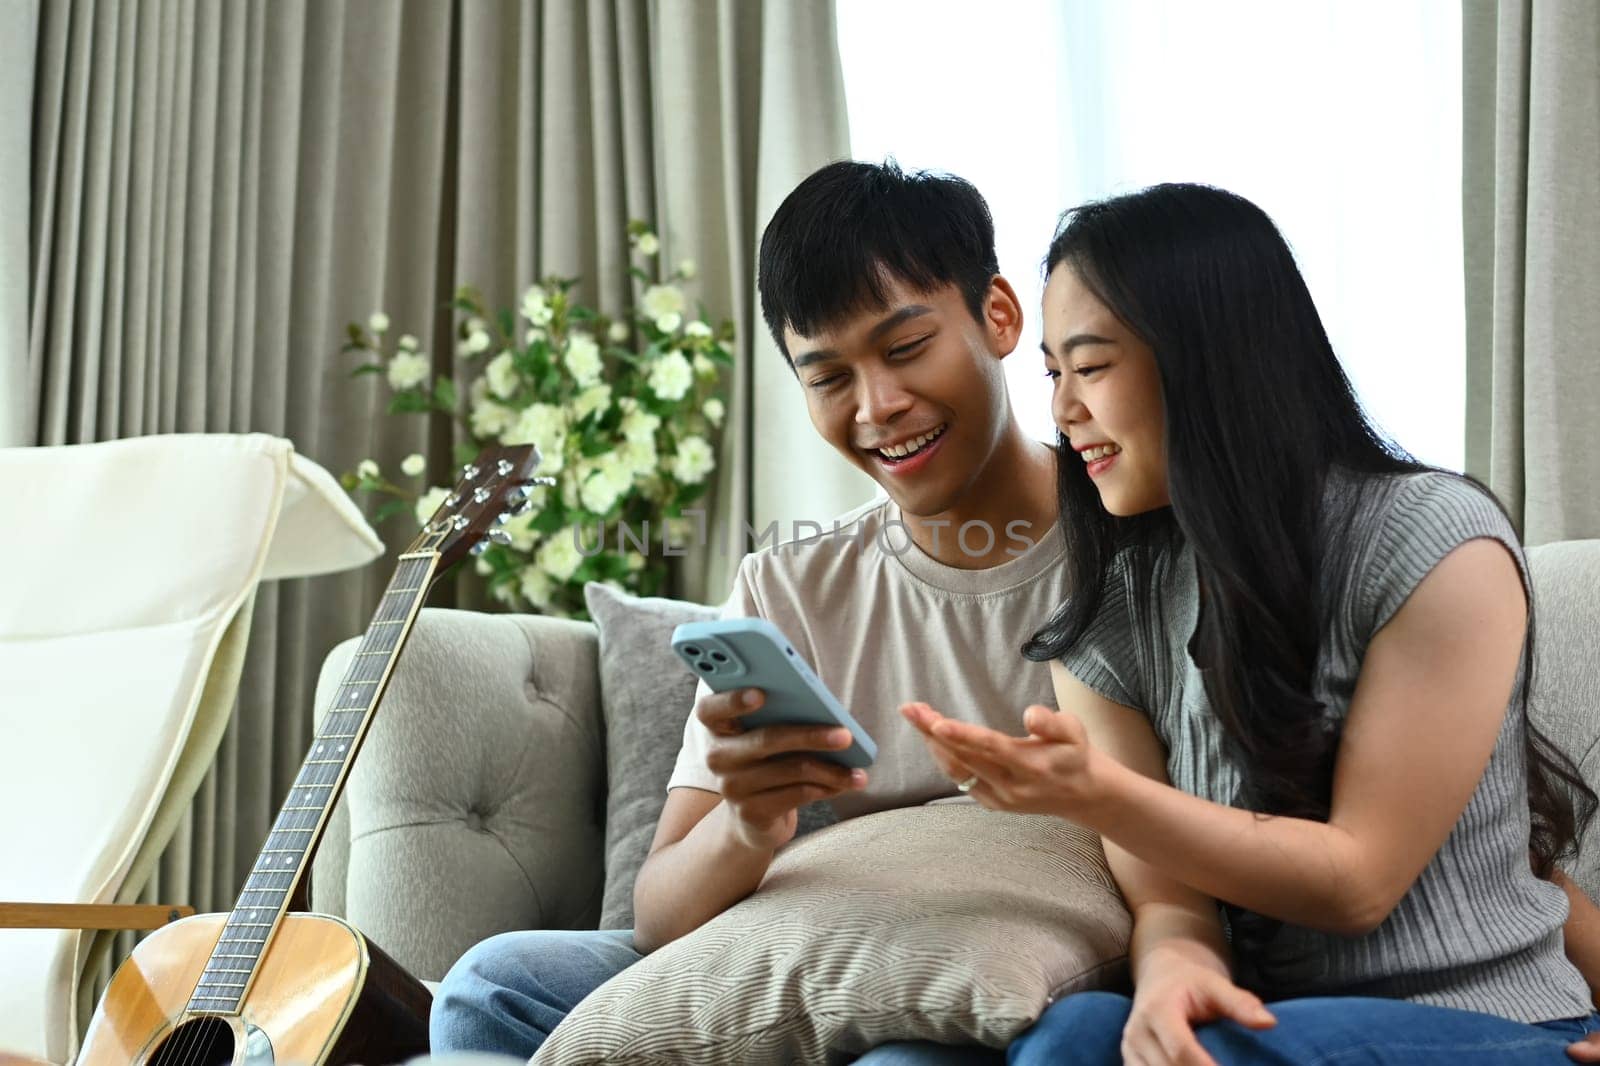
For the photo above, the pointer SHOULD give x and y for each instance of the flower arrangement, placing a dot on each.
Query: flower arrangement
(625, 410)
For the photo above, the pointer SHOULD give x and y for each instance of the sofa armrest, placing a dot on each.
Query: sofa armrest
(476, 803)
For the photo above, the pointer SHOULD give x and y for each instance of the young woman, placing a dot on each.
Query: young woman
(1295, 685)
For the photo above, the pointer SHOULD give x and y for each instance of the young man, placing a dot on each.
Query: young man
(883, 292)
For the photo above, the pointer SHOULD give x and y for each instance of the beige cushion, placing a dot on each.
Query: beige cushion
(946, 922)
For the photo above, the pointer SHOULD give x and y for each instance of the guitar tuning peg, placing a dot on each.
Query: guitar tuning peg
(481, 496)
(470, 472)
(502, 518)
(499, 536)
(504, 467)
(479, 548)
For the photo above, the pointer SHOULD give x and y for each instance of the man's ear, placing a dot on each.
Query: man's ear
(1002, 313)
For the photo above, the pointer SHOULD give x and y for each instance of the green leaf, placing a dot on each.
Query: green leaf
(690, 493)
(718, 354)
(444, 394)
(390, 509)
(466, 452)
(549, 520)
(641, 275)
(357, 336)
(409, 402)
(367, 368)
(595, 444)
(580, 313)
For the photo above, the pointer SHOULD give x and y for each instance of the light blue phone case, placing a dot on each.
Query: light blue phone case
(733, 653)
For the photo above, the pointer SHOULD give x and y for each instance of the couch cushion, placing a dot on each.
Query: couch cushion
(946, 922)
(646, 695)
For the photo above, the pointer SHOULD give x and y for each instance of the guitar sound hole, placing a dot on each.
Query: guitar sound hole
(198, 1042)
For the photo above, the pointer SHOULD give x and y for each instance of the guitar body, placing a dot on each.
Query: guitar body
(322, 996)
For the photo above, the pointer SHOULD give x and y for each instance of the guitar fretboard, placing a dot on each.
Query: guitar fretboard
(282, 861)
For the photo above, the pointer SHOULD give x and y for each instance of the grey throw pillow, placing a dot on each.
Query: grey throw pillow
(646, 695)
(946, 922)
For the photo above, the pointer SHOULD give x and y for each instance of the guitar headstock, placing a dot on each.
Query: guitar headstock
(491, 489)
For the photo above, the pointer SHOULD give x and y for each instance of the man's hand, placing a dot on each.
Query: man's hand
(765, 775)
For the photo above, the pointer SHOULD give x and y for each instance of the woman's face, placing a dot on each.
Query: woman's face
(1107, 399)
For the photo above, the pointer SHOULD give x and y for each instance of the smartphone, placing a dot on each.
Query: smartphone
(733, 653)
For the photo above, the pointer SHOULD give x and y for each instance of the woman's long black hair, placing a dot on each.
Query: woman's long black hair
(1258, 410)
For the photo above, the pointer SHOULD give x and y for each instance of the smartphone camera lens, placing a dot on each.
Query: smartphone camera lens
(717, 656)
(691, 651)
(704, 666)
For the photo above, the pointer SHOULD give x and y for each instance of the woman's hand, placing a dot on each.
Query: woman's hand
(1175, 994)
(1585, 1050)
(1052, 770)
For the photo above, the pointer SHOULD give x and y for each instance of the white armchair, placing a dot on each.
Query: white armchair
(131, 567)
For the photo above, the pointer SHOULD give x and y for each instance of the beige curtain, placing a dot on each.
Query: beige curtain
(19, 30)
(218, 188)
(1531, 198)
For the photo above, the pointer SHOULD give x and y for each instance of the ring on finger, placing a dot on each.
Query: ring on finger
(967, 785)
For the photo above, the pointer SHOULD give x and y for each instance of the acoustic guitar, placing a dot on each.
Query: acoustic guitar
(264, 984)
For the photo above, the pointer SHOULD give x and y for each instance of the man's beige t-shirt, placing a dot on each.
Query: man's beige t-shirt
(883, 624)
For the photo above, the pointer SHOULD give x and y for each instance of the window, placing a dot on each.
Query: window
(1342, 120)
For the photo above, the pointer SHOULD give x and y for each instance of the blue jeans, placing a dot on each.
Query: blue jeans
(510, 991)
(1347, 1030)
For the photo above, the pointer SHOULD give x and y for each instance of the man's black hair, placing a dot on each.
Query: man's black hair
(843, 232)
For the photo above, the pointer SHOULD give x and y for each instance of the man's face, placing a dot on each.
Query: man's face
(913, 392)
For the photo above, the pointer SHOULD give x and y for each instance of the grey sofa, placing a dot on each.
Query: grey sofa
(477, 804)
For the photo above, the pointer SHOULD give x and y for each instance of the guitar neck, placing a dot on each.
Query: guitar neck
(282, 862)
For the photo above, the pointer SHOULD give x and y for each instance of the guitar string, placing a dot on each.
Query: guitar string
(409, 575)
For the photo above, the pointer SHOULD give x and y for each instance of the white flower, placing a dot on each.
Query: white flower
(481, 565)
(379, 322)
(502, 593)
(367, 469)
(534, 335)
(638, 425)
(713, 410)
(635, 562)
(618, 332)
(669, 323)
(533, 300)
(413, 464)
(704, 367)
(428, 503)
(408, 369)
(661, 300)
(595, 398)
(688, 269)
(521, 529)
(694, 460)
(559, 557)
(490, 419)
(601, 489)
(583, 359)
(671, 376)
(408, 343)
(543, 425)
(501, 374)
(697, 329)
(569, 492)
(476, 325)
(541, 315)
(536, 586)
(648, 244)
(478, 341)
(638, 457)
